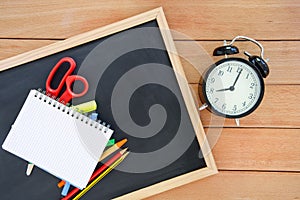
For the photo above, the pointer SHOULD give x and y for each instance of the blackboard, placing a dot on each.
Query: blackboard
(139, 85)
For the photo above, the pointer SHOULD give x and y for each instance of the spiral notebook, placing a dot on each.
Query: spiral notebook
(57, 139)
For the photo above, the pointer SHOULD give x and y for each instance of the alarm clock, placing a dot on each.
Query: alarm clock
(233, 87)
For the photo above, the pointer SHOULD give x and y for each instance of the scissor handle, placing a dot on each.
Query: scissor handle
(69, 94)
(55, 92)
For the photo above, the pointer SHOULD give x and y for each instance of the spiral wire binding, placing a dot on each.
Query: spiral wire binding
(73, 112)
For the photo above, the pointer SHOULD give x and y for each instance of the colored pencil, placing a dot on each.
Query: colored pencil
(112, 149)
(97, 172)
(109, 169)
(106, 153)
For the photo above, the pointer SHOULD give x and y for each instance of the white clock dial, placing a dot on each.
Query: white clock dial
(233, 88)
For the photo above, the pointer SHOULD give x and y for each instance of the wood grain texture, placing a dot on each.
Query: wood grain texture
(271, 19)
(284, 58)
(268, 139)
(236, 185)
(279, 109)
(80, 39)
(13, 47)
(255, 149)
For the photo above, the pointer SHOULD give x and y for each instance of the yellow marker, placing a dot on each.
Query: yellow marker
(101, 176)
(86, 107)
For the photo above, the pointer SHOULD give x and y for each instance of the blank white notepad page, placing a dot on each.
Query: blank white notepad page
(57, 139)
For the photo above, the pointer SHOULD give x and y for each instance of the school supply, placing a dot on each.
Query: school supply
(57, 139)
(110, 142)
(105, 154)
(29, 169)
(65, 190)
(94, 116)
(98, 172)
(107, 171)
(86, 107)
(67, 79)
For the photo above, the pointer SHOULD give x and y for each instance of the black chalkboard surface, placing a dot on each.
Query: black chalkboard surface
(140, 90)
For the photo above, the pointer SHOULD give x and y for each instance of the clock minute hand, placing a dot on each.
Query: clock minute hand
(236, 79)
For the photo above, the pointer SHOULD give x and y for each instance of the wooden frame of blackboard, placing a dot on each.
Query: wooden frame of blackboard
(158, 15)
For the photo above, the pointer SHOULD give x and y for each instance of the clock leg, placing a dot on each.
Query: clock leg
(203, 107)
(237, 121)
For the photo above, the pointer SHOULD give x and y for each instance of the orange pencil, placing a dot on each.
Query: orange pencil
(106, 153)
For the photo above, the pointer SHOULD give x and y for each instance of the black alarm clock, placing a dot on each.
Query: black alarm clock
(234, 87)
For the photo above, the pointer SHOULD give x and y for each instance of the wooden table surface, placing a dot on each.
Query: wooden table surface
(258, 160)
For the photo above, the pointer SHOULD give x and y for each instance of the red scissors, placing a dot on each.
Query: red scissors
(68, 79)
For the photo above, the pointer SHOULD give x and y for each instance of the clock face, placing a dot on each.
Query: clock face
(233, 88)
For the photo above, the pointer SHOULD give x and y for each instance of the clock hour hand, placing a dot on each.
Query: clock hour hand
(222, 90)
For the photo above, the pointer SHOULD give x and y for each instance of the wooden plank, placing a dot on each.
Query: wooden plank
(79, 39)
(255, 149)
(240, 186)
(270, 19)
(13, 47)
(284, 58)
(279, 109)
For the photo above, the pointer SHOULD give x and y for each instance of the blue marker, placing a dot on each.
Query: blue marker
(66, 188)
(94, 116)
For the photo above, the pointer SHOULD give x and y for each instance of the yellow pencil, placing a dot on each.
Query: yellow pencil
(92, 184)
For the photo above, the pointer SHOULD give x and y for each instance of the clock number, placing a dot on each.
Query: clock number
(224, 106)
(234, 108)
(229, 69)
(212, 80)
(211, 90)
(244, 103)
(247, 76)
(220, 73)
(252, 85)
(239, 70)
(216, 100)
(250, 96)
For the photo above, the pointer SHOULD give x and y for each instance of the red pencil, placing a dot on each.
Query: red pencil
(97, 172)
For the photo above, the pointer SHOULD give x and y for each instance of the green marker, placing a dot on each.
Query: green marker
(110, 142)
